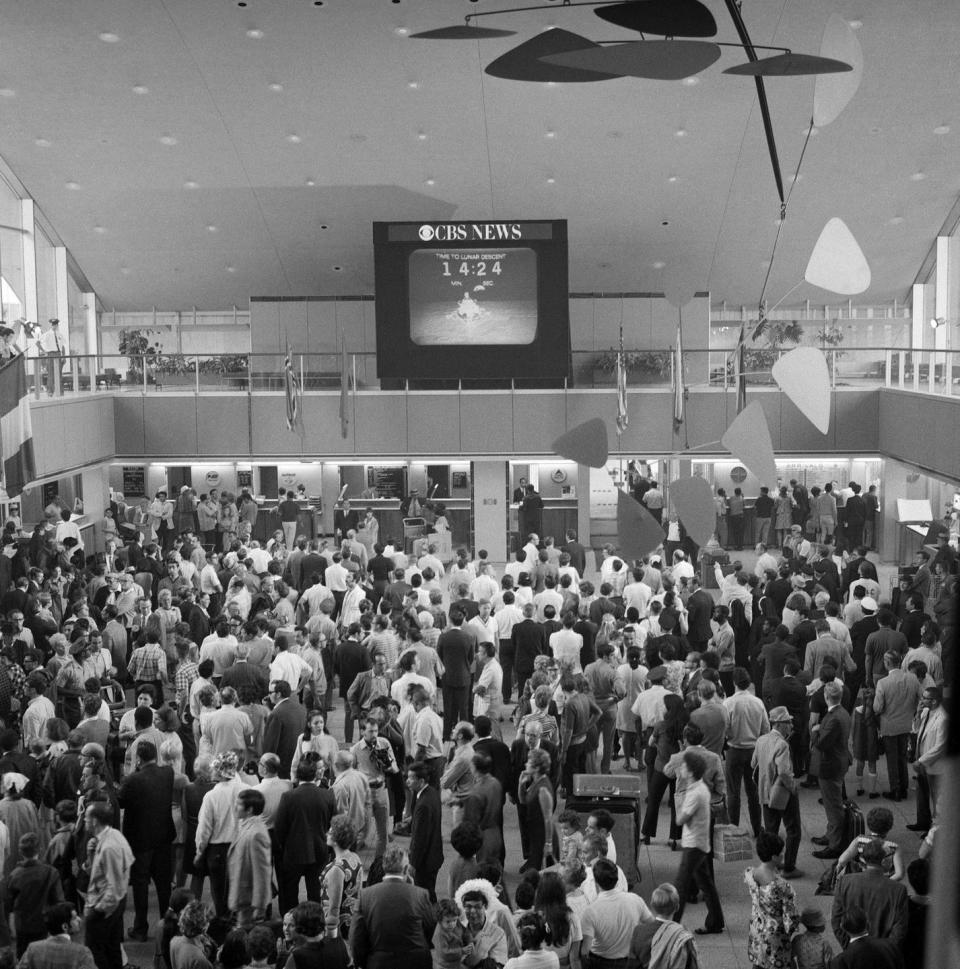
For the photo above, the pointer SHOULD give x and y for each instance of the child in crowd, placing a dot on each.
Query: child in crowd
(571, 837)
(466, 840)
(32, 886)
(810, 949)
(60, 849)
(523, 899)
(450, 937)
(866, 743)
(879, 823)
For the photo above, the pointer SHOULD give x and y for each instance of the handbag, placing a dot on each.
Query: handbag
(780, 795)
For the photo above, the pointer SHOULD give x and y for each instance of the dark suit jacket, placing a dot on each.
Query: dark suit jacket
(426, 839)
(699, 611)
(789, 692)
(868, 953)
(146, 796)
(519, 751)
(350, 660)
(456, 651)
(390, 918)
(499, 754)
(833, 740)
(884, 902)
(528, 643)
(284, 725)
(301, 824)
(311, 564)
(578, 556)
(602, 605)
(244, 674)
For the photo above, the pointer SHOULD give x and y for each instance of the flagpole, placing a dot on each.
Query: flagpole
(621, 390)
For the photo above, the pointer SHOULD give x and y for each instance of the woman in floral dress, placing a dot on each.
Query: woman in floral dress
(774, 913)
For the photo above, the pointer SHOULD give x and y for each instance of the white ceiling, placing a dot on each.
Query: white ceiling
(393, 128)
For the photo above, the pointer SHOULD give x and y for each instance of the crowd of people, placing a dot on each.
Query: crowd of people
(167, 717)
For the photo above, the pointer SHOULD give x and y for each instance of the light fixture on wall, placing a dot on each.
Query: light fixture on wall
(937, 321)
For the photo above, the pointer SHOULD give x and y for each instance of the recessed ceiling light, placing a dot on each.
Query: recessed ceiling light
(421, 136)
(190, 184)
(681, 133)
(211, 228)
(73, 186)
(99, 229)
(659, 264)
(310, 183)
(550, 134)
(109, 38)
(550, 84)
(918, 177)
(42, 143)
(691, 81)
(140, 89)
(551, 181)
(168, 140)
(7, 92)
(276, 88)
(673, 178)
(294, 139)
(896, 220)
(942, 129)
(402, 31)
(231, 269)
(125, 270)
(854, 24)
(413, 85)
(255, 34)
(431, 181)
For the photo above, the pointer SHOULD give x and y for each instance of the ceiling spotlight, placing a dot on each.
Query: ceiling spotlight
(191, 184)
(109, 38)
(659, 264)
(917, 177)
(294, 139)
(73, 186)
(276, 88)
(937, 321)
(310, 183)
(942, 129)
(42, 143)
(168, 140)
(140, 89)
(255, 34)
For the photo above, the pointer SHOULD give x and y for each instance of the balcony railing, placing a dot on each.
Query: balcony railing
(924, 371)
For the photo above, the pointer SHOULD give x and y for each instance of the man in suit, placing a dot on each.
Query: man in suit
(895, 702)
(930, 764)
(300, 831)
(530, 739)
(393, 921)
(529, 641)
(426, 838)
(312, 563)
(789, 692)
(284, 726)
(59, 951)
(577, 553)
(699, 614)
(831, 737)
(498, 752)
(456, 651)
(863, 952)
(146, 797)
(883, 900)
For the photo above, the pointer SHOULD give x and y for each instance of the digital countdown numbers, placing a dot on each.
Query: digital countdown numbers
(471, 296)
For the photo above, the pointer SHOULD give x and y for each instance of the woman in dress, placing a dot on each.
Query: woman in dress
(774, 915)
(207, 514)
(666, 737)
(564, 933)
(228, 520)
(783, 506)
(340, 880)
(316, 739)
(20, 816)
(536, 792)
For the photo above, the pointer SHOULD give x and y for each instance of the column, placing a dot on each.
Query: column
(490, 508)
(894, 476)
(95, 483)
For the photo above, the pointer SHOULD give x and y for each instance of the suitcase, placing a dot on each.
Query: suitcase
(731, 843)
(853, 823)
(620, 794)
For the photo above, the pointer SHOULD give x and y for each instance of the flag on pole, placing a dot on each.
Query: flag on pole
(678, 388)
(622, 418)
(344, 388)
(16, 430)
(293, 389)
(739, 368)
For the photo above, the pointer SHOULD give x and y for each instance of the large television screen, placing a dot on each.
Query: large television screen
(472, 300)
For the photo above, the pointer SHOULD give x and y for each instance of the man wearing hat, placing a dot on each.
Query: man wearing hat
(777, 786)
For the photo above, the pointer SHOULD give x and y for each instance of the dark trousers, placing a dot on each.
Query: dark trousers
(411, 959)
(607, 726)
(736, 531)
(574, 763)
(649, 759)
(790, 816)
(895, 748)
(506, 655)
(156, 864)
(348, 721)
(427, 880)
(288, 878)
(216, 858)
(655, 794)
(694, 871)
(456, 707)
(924, 812)
(737, 768)
(103, 936)
(831, 790)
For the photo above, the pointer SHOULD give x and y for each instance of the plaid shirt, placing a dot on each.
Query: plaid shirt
(146, 662)
(69, 676)
(183, 679)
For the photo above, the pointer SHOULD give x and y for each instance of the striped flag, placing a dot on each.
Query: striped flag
(622, 418)
(344, 388)
(293, 391)
(678, 382)
(16, 431)
(739, 367)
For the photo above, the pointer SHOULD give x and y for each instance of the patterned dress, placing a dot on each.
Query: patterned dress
(774, 917)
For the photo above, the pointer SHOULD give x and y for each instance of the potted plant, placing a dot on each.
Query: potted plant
(135, 345)
(644, 366)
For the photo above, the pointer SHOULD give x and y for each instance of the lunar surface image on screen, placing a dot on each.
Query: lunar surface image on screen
(473, 296)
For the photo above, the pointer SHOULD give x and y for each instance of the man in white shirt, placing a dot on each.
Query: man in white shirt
(531, 552)
(259, 556)
(313, 597)
(746, 722)
(694, 815)
(567, 644)
(427, 735)
(39, 709)
(637, 594)
(229, 729)
(430, 561)
(288, 666)
(609, 921)
(410, 676)
(683, 568)
(352, 597)
(549, 597)
(484, 586)
(766, 561)
(221, 647)
(484, 626)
